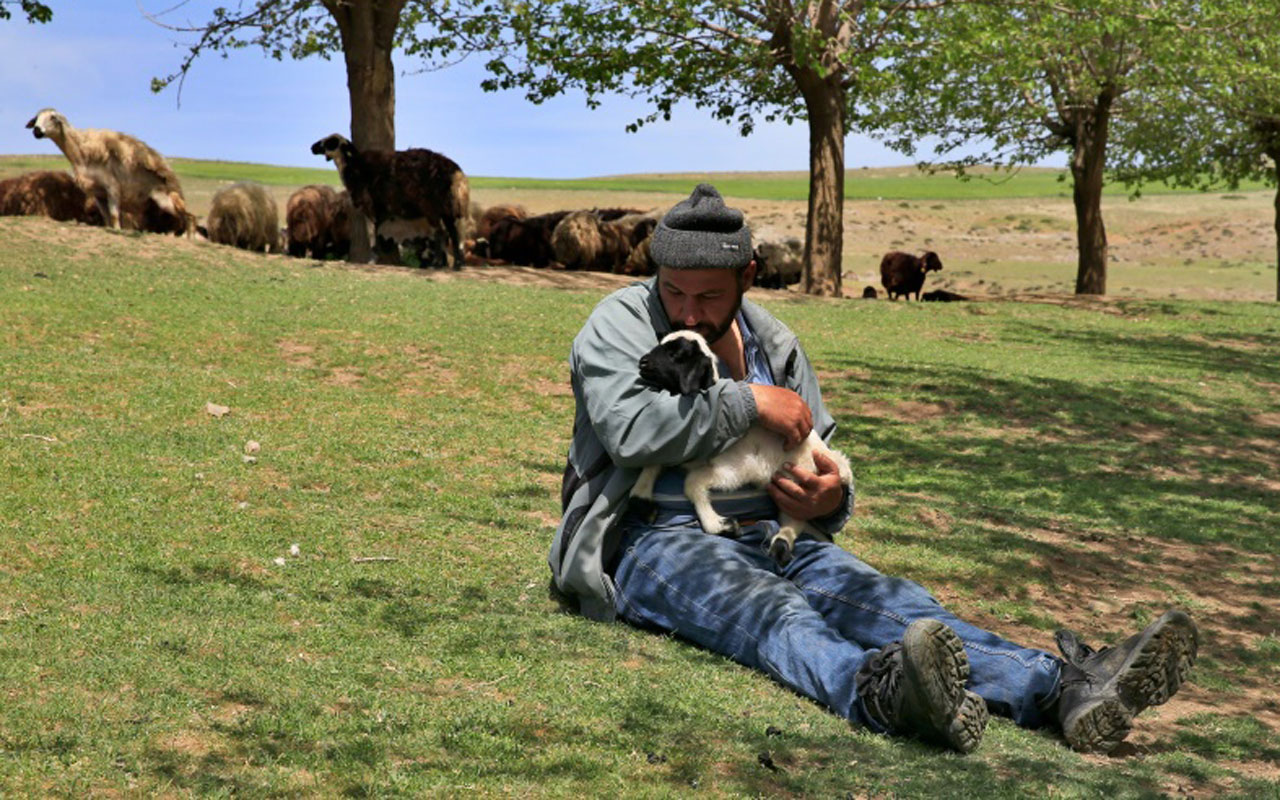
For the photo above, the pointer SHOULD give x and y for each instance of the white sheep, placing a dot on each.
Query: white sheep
(117, 170)
(682, 363)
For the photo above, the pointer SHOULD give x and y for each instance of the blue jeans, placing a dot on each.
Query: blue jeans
(811, 624)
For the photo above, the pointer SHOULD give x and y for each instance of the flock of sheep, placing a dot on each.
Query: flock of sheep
(417, 201)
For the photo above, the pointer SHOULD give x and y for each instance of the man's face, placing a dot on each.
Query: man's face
(703, 300)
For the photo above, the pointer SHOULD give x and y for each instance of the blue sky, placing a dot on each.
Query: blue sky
(95, 60)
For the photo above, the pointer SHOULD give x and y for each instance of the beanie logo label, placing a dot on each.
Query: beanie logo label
(728, 246)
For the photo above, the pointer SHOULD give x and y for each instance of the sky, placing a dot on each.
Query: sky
(94, 62)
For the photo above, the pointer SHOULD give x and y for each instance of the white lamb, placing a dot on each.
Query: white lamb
(682, 363)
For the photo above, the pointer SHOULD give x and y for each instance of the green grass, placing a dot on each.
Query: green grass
(896, 183)
(1022, 460)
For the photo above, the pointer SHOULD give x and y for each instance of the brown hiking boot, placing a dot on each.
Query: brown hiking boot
(1102, 690)
(916, 687)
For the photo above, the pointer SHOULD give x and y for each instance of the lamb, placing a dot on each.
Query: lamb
(318, 222)
(682, 363)
(48, 194)
(244, 215)
(902, 274)
(490, 216)
(411, 185)
(119, 172)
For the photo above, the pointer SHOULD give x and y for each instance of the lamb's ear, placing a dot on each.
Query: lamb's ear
(31, 123)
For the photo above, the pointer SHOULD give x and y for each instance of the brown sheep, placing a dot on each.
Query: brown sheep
(48, 194)
(491, 215)
(902, 274)
(318, 222)
(121, 173)
(639, 262)
(779, 263)
(244, 215)
(583, 241)
(410, 185)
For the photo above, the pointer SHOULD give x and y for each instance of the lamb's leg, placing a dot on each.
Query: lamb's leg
(782, 545)
(454, 241)
(642, 492)
(697, 487)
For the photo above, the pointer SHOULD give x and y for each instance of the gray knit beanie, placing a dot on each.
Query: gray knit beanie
(701, 233)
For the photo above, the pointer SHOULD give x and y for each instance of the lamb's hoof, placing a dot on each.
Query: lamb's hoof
(781, 551)
(727, 527)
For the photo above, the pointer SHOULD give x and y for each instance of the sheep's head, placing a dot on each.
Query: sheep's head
(47, 122)
(932, 262)
(334, 147)
(682, 363)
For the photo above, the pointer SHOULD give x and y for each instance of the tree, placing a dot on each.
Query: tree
(367, 32)
(1219, 105)
(741, 60)
(35, 11)
(1030, 79)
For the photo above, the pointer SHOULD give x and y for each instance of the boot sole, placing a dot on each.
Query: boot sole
(1160, 664)
(1098, 728)
(1153, 673)
(934, 660)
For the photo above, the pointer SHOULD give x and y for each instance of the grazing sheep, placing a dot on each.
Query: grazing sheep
(779, 264)
(869, 293)
(244, 215)
(119, 172)
(682, 363)
(942, 296)
(48, 194)
(410, 185)
(318, 222)
(902, 274)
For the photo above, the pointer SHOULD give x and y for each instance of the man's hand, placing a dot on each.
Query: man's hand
(808, 495)
(783, 412)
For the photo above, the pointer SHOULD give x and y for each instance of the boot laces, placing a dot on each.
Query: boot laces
(879, 680)
(1077, 654)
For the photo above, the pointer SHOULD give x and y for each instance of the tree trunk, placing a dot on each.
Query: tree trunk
(1087, 165)
(368, 28)
(824, 229)
(1275, 159)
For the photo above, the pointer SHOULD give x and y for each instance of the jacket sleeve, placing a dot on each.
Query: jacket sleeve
(635, 423)
(804, 382)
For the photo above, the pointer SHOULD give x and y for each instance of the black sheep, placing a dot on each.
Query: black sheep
(404, 185)
(902, 274)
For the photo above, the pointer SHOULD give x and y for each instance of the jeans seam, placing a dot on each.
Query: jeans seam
(642, 564)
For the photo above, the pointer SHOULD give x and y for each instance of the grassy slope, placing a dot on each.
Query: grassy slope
(1025, 461)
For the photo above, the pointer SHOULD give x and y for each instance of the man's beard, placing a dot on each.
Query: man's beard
(712, 333)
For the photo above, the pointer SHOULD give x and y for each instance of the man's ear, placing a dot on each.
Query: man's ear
(748, 276)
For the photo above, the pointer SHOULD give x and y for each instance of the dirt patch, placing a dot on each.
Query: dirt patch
(296, 354)
(908, 410)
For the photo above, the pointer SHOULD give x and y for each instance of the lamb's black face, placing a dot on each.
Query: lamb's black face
(679, 366)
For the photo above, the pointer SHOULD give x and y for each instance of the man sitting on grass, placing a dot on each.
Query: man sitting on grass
(878, 650)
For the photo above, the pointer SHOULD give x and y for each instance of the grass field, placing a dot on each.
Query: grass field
(1035, 464)
(895, 183)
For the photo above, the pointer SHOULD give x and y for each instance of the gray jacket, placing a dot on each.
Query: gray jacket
(621, 425)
